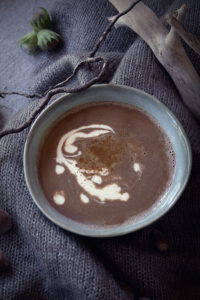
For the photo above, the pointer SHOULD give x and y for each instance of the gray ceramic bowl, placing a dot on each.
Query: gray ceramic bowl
(119, 94)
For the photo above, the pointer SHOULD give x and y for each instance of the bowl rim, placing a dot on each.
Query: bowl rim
(107, 231)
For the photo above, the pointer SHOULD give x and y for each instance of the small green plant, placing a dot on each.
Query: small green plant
(42, 36)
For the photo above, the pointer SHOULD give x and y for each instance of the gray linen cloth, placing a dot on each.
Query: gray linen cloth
(46, 261)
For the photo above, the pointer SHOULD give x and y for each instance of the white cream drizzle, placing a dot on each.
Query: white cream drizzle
(110, 192)
(59, 169)
(84, 198)
(136, 167)
(97, 179)
(59, 198)
(102, 172)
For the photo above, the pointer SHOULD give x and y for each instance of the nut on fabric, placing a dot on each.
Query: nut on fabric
(3, 261)
(29, 42)
(160, 241)
(40, 19)
(5, 221)
(47, 39)
(41, 36)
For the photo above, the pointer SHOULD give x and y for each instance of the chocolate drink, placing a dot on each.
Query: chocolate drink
(105, 163)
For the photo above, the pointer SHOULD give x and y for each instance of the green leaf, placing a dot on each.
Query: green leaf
(47, 39)
(29, 42)
(40, 20)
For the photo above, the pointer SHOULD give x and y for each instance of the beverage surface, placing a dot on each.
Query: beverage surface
(105, 163)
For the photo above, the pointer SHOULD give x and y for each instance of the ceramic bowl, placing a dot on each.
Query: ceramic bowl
(99, 93)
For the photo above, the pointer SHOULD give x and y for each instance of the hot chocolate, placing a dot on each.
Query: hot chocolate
(104, 163)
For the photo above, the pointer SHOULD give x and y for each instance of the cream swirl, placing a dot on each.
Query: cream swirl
(67, 151)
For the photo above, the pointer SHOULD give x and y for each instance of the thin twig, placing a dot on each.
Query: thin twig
(3, 93)
(51, 93)
(104, 35)
(97, 45)
(82, 63)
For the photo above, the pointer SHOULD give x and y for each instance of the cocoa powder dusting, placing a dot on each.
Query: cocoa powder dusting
(101, 153)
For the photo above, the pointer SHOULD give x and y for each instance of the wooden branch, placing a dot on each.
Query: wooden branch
(188, 37)
(167, 48)
(179, 14)
(53, 92)
(4, 93)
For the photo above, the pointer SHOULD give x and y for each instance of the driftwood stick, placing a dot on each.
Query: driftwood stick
(179, 14)
(188, 37)
(143, 21)
(167, 48)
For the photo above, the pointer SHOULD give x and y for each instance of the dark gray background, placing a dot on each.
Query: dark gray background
(47, 262)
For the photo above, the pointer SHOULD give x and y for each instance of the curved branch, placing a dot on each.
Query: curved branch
(48, 97)
(115, 19)
(91, 55)
(87, 61)
(3, 93)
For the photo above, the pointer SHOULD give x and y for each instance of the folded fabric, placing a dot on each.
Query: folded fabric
(50, 263)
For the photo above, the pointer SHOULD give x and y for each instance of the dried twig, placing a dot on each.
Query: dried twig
(91, 55)
(3, 93)
(104, 35)
(82, 63)
(57, 88)
(48, 96)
